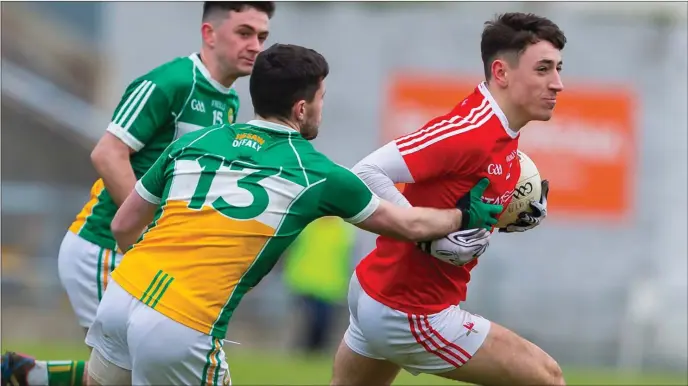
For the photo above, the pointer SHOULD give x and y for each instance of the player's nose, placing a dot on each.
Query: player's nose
(255, 45)
(556, 84)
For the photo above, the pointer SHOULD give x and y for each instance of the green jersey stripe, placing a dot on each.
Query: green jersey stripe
(152, 283)
(157, 288)
(167, 284)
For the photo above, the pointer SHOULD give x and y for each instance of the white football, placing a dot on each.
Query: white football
(528, 188)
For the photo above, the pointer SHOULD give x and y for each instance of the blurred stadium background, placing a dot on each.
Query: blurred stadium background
(602, 286)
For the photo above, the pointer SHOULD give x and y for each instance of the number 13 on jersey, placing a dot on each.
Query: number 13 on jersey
(236, 189)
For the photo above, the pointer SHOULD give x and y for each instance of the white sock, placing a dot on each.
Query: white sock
(38, 376)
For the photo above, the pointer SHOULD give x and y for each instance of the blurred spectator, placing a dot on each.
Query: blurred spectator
(317, 270)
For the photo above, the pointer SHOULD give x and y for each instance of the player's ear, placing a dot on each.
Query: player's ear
(499, 72)
(299, 111)
(208, 34)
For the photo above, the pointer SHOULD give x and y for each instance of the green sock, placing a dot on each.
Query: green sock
(66, 373)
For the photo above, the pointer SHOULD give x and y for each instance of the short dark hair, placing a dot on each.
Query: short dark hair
(283, 75)
(513, 32)
(214, 8)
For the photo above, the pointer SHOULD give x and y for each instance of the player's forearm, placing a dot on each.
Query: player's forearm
(126, 239)
(131, 220)
(411, 224)
(381, 170)
(117, 174)
(423, 224)
(125, 231)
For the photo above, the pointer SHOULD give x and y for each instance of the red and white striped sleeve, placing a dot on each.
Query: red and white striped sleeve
(439, 148)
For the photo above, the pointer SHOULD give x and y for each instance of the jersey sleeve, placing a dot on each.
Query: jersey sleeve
(346, 196)
(441, 147)
(144, 108)
(381, 169)
(151, 186)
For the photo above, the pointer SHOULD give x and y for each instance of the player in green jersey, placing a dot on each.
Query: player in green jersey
(225, 202)
(178, 97)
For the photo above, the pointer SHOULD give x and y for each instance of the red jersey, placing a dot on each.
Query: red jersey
(446, 158)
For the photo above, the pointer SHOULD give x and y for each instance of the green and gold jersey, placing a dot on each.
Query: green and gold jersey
(231, 199)
(174, 99)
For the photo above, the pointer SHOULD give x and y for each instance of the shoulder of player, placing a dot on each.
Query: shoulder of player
(456, 130)
(201, 137)
(317, 163)
(465, 122)
(173, 77)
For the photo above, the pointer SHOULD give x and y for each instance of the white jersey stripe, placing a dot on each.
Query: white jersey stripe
(134, 99)
(444, 128)
(470, 117)
(140, 106)
(449, 134)
(462, 122)
(129, 100)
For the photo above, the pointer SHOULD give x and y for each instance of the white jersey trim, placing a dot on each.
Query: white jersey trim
(145, 194)
(498, 111)
(125, 136)
(206, 74)
(366, 212)
(271, 126)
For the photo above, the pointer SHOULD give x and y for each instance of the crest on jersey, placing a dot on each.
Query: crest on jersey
(230, 115)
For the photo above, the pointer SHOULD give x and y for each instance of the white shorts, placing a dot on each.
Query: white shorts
(84, 270)
(157, 350)
(433, 344)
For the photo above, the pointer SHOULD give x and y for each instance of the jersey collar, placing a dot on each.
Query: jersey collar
(206, 74)
(271, 126)
(498, 111)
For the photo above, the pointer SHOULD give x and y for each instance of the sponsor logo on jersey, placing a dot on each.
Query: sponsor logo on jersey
(197, 105)
(511, 156)
(248, 139)
(501, 200)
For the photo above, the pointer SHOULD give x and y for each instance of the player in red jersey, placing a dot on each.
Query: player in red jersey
(404, 303)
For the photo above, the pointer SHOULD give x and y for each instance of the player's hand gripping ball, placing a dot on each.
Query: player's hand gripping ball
(460, 247)
(528, 206)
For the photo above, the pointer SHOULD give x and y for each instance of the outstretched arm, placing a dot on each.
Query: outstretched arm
(411, 224)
